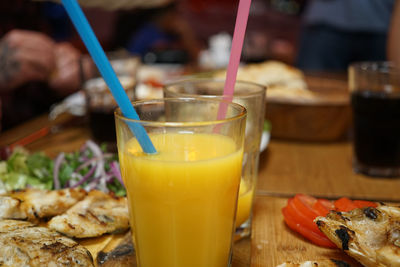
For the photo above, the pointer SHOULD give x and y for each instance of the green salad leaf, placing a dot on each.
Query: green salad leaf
(23, 169)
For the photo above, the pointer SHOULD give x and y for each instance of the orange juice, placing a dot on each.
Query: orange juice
(244, 203)
(183, 199)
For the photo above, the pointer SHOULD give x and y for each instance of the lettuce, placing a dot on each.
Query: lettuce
(22, 170)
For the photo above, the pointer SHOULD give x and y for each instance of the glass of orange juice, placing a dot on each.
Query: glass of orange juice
(183, 199)
(252, 97)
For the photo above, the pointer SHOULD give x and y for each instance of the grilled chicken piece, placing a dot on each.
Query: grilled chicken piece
(97, 214)
(24, 244)
(121, 254)
(370, 235)
(33, 204)
(318, 263)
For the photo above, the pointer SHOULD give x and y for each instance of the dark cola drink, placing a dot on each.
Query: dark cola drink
(102, 124)
(100, 106)
(376, 118)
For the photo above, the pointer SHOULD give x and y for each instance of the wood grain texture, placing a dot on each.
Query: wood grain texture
(319, 169)
(241, 253)
(67, 134)
(274, 243)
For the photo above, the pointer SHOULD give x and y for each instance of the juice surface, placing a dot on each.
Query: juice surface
(183, 199)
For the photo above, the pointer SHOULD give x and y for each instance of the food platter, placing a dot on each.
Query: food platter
(46, 209)
(365, 230)
(273, 243)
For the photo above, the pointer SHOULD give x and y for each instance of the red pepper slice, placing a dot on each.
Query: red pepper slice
(305, 232)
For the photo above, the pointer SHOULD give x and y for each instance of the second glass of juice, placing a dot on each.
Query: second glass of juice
(252, 97)
(183, 199)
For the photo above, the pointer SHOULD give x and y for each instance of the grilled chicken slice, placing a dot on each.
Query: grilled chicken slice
(370, 235)
(119, 253)
(318, 263)
(34, 204)
(24, 244)
(97, 214)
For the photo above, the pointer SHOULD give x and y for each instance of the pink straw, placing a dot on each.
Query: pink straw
(236, 51)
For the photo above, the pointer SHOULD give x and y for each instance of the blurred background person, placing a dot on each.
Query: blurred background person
(38, 64)
(41, 54)
(27, 56)
(338, 32)
(36, 72)
(271, 32)
(158, 34)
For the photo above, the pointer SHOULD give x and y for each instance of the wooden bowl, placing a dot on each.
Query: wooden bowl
(324, 117)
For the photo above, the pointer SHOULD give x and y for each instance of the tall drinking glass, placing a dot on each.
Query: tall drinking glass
(375, 99)
(100, 104)
(182, 200)
(252, 97)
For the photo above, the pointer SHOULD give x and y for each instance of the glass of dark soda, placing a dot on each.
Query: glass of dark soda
(375, 100)
(100, 105)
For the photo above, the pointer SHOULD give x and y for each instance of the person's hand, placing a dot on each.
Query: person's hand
(71, 69)
(66, 75)
(25, 56)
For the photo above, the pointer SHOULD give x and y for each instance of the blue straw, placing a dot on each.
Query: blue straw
(99, 57)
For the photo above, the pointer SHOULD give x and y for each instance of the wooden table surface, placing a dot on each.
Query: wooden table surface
(319, 169)
(286, 168)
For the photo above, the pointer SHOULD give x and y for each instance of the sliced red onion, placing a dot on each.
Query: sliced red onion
(89, 161)
(98, 183)
(111, 177)
(97, 153)
(92, 185)
(116, 171)
(57, 165)
(86, 163)
(85, 178)
(75, 178)
(94, 148)
(96, 177)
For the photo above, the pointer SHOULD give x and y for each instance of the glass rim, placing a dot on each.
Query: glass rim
(242, 112)
(99, 85)
(382, 67)
(261, 88)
